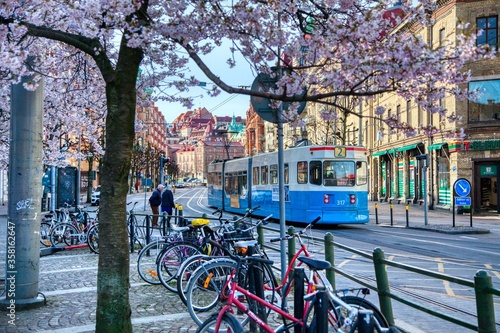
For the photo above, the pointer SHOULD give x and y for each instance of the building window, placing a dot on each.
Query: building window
(485, 106)
(488, 27)
(441, 37)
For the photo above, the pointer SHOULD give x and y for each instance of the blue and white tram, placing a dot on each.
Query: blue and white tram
(326, 181)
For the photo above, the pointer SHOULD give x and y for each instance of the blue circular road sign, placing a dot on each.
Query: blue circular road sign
(462, 187)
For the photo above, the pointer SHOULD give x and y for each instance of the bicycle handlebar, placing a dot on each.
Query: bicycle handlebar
(238, 258)
(251, 227)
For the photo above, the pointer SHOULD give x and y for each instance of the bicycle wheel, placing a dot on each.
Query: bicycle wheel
(228, 324)
(45, 229)
(362, 304)
(169, 261)
(147, 261)
(337, 315)
(186, 271)
(93, 238)
(205, 289)
(64, 234)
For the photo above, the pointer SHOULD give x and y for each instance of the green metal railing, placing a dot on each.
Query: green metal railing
(482, 284)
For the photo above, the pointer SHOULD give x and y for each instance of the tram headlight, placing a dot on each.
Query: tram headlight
(352, 198)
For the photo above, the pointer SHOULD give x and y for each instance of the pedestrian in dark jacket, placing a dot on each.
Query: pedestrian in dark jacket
(155, 202)
(167, 202)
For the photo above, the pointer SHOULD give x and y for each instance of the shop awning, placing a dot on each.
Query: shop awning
(409, 147)
(436, 146)
(391, 151)
(379, 153)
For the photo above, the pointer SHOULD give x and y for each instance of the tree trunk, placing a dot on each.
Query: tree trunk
(113, 282)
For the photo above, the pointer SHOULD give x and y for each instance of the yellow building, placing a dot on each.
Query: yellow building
(408, 170)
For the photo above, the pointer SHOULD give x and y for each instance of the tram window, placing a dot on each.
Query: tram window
(286, 173)
(361, 173)
(242, 183)
(263, 173)
(329, 174)
(315, 174)
(273, 173)
(255, 176)
(231, 184)
(302, 172)
(341, 173)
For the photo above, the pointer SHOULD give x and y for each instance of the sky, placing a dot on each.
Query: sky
(224, 104)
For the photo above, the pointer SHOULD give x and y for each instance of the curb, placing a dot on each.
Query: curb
(442, 228)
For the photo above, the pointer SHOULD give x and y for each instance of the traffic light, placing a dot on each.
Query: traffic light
(163, 161)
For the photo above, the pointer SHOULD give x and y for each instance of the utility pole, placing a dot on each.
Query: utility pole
(25, 195)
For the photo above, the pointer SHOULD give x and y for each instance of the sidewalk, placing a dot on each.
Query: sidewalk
(438, 220)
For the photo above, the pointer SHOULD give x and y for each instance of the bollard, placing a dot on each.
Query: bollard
(298, 296)
(383, 285)
(484, 303)
(391, 206)
(376, 213)
(365, 321)
(407, 217)
(291, 246)
(180, 221)
(330, 257)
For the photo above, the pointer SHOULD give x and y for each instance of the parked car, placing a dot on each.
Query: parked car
(96, 196)
(180, 185)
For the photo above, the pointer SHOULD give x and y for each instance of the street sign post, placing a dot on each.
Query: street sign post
(461, 196)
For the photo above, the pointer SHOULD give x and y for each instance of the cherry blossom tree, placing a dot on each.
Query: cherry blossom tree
(90, 51)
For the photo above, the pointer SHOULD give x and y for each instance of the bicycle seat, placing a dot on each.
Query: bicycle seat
(315, 264)
(200, 222)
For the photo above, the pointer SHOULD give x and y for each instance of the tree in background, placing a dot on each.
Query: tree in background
(342, 45)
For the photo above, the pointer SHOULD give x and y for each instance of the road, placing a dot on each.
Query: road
(458, 255)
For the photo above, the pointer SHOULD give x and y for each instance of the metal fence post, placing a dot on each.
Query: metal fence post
(376, 213)
(365, 321)
(260, 236)
(132, 233)
(298, 297)
(383, 285)
(330, 257)
(291, 246)
(148, 228)
(484, 303)
(321, 310)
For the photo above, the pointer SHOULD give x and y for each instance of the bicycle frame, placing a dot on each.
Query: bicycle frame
(234, 287)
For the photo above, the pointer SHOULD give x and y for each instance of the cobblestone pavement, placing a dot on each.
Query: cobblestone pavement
(68, 281)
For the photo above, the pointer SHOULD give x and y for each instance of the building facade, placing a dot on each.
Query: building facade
(426, 167)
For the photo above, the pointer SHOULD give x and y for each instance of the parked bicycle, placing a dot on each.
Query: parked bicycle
(75, 231)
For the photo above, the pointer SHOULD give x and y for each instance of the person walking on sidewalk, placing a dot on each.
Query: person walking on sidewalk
(155, 202)
(167, 202)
